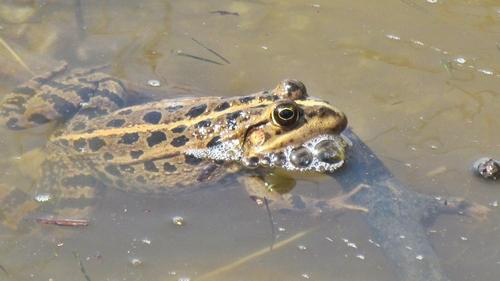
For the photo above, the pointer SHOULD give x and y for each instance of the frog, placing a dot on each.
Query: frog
(103, 139)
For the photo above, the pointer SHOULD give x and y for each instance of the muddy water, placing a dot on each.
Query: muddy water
(419, 81)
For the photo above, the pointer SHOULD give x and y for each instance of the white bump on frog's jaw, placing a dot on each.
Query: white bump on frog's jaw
(323, 153)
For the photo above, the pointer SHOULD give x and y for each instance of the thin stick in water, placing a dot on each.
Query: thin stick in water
(82, 268)
(211, 51)
(15, 55)
(180, 53)
(252, 256)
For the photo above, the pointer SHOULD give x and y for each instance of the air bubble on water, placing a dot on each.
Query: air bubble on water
(352, 245)
(44, 197)
(461, 60)
(302, 247)
(485, 71)
(154, 83)
(135, 261)
(178, 220)
(360, 256)
(393, 37)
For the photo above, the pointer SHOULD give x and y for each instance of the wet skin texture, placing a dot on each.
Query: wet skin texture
(103, 140)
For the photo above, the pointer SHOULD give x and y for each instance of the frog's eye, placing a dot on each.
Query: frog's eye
(286, 114)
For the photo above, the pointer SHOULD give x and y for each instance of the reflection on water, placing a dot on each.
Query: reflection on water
(417, 79)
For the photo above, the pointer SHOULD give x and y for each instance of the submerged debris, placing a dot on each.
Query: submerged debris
(225, 13)
(63, 222)
(487, 168)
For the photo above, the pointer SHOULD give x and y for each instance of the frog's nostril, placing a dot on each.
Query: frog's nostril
(328, 151)
(301, 157)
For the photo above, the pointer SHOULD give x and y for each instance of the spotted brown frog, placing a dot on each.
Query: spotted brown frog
(101, 140)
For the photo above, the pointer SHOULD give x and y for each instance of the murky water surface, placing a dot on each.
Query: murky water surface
(419, 81)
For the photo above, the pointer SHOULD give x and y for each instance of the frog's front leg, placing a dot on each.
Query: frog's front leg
(260, 189)
(59, 96)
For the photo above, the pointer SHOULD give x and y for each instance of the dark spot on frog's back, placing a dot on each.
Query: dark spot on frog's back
(135, 154)
(112, 170)
(231, 117)
(107, 156)
(214, 141)
(179, 129)
(24, 91)
(127, 168)
(173, 108)
(96, 143)
(152, 117)
(150, 166)
(129, 138)
(79, 144)
(62, 106)
(203, 124)
(222, 106)
(167, 167)
(196, 111)
(140, 179)
(79, 126)
(191, 160)
(179, 141)
(38, 118)
(115, 123)
(247, 99)
(125, 112)
(92, 112)
(156, 138)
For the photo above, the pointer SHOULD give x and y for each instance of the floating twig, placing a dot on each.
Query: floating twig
(225, 13)
(82, 268)
(180, 53)
(211, 51)
(252, 256)
(63, 222)
(15, 55)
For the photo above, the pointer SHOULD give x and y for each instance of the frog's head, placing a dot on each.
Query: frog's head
(296, 133)
(283, 128)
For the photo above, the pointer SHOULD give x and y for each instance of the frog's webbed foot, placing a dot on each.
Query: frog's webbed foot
(457, 205)
(316, 206)
(260, 191)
